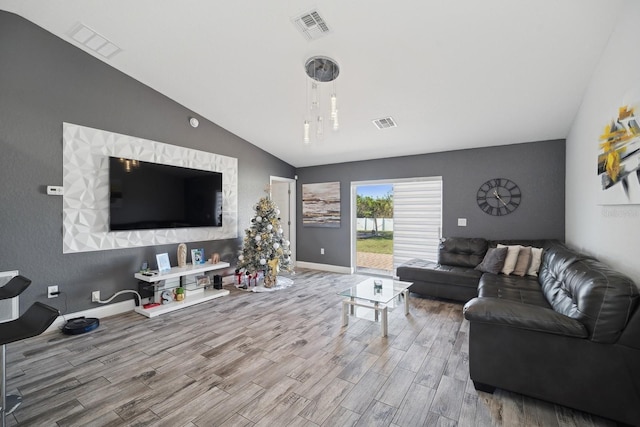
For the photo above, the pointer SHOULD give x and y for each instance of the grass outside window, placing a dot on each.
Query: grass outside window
(378, 244)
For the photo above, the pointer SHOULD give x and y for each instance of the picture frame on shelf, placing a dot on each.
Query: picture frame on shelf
(203, 281)
(163, 262)
(197, 256)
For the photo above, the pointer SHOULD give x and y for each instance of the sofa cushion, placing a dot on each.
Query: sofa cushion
(512, 258)
(493, 261)
(536, 260)
(419, 270)
(462, 251)
(524, 290)
(584, 289)
(523, 262)
(522, 316)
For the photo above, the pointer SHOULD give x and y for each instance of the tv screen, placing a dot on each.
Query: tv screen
(147, 196)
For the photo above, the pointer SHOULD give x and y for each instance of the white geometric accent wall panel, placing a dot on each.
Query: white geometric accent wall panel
(85, 202)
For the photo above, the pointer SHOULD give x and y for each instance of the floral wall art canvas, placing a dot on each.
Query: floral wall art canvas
(321, 204)
(619, 159)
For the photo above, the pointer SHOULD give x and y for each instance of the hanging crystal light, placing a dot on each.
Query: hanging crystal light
(320, 69)
(306, 132)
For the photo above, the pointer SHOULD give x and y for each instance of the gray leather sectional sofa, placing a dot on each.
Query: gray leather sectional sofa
(570, 336)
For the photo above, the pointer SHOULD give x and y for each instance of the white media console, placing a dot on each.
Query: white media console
(179, 277)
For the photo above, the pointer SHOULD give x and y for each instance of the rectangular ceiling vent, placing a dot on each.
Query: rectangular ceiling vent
(385, 123)
(93, 41)
(311, 25)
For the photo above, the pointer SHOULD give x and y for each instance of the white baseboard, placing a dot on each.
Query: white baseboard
(99, 312)
(324, 267)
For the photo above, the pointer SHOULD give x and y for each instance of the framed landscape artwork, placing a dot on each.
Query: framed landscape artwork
(321, 204)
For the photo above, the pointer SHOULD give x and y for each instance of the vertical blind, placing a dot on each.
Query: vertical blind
(417, 219)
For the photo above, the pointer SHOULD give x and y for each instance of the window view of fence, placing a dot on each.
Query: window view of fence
(397, 221)
(374, 246)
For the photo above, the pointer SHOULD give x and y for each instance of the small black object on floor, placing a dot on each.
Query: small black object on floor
(80, 325)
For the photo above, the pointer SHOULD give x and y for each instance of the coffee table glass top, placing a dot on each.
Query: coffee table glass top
(370, 290)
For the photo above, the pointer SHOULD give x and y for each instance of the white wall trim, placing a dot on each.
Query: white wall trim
(99, 312)
(85, 202)
(324, 267)
(292, 212)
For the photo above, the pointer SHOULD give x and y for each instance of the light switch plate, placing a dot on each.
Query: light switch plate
(55, 190)
(462, 222)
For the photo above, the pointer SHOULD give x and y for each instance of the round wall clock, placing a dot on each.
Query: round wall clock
(499, 196)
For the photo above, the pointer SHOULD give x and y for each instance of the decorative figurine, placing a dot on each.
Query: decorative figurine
(182, 255)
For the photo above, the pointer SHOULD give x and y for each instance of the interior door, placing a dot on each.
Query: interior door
(283, 195)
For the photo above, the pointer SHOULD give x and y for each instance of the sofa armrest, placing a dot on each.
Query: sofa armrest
(513, 314)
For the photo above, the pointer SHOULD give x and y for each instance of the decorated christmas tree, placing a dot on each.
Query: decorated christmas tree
(264, 246)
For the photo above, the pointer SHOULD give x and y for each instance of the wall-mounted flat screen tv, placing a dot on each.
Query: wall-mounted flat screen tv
(147, 196)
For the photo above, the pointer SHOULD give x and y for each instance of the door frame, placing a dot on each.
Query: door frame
(292, 212)
(353, 213)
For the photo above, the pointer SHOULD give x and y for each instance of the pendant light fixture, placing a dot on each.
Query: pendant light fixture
(319, 69)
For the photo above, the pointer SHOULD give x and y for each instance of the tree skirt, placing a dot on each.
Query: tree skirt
(281, 283)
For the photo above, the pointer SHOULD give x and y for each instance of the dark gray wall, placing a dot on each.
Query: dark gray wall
(538, 168)
(45, 81)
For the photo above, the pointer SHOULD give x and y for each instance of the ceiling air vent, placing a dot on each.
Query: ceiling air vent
(311, 25)
(93, 41)
(385, 123)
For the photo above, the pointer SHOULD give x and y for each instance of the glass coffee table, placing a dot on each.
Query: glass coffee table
(377, 294)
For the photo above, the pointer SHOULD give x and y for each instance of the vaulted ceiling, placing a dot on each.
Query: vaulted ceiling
(452, 74)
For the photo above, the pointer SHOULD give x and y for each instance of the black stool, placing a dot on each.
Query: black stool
(33, 322)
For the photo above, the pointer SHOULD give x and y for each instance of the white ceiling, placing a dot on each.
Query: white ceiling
(453, 74)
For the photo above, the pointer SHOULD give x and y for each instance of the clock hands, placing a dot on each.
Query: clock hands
(495, 193)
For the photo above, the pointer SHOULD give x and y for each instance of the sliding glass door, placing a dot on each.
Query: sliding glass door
(374, 228)
(417, 219)
(394, 221)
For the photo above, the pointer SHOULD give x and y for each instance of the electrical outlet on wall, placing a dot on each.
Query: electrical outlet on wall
(52, 292)
(321, 251)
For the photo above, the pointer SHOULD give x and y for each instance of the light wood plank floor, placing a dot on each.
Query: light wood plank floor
(268, 359)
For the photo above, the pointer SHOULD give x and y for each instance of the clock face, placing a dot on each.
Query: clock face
(499, 196)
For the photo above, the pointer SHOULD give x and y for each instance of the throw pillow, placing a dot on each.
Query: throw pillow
(493, 260)
(524, 259)
(536, 259)
(512, 258)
